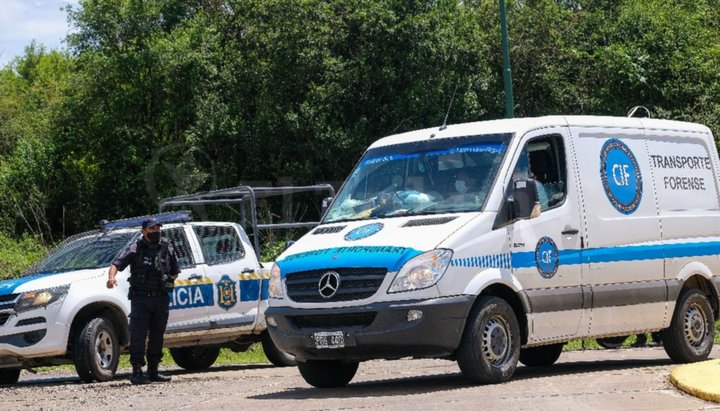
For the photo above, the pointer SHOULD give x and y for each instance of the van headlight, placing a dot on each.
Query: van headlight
(275, 287)
(40, 298)
(422, 271)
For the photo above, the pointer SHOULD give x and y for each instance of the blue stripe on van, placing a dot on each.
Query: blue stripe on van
(526, 259)
(389, 257)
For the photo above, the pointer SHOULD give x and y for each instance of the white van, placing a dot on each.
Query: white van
(498, 241)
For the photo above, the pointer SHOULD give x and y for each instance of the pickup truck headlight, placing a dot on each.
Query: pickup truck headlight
(40, 298)
(422, 271)
(275, 288)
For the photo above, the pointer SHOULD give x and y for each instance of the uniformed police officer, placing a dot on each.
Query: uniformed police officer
(153, 269)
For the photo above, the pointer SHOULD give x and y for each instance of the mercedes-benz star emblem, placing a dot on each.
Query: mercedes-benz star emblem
(329, 284)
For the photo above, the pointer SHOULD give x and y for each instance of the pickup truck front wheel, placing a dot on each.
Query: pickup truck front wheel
(276, 356)
(195, 358)
(96, 350)
(9, 375)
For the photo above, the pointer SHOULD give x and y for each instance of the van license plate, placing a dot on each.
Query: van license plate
(333, 339)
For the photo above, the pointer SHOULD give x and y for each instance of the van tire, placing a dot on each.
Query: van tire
(490, 346)
(96, 350)
(9, 376)
(275, 355)
(195, 358)
(327, 373)
(542, 356)
(692, 329)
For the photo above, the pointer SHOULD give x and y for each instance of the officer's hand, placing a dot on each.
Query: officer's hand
(111, 283)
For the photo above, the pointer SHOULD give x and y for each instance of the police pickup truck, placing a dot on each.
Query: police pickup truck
(61, 312)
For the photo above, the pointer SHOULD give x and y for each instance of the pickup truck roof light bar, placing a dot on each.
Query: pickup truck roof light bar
(164, 218)
(240, 194)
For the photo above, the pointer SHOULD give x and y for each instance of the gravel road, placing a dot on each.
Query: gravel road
(633, 378)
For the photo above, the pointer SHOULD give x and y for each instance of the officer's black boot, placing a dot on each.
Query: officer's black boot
(155, 376)
(138, 377)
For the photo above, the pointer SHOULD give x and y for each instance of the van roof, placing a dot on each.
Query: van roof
(521, 126)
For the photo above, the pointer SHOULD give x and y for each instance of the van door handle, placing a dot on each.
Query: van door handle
(195, 277)
(570, 231)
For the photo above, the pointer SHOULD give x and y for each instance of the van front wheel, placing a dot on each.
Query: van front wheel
(692, 330)
(327, 373)
(490, 345)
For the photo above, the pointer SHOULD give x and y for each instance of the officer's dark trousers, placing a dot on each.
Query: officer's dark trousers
(148, 319)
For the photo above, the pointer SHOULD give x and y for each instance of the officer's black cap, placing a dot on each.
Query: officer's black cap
(150, 222)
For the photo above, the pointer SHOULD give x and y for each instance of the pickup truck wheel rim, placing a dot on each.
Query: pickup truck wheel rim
(496, 340)
(104, 349)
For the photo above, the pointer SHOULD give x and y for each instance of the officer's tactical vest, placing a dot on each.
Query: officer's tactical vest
(144, 277)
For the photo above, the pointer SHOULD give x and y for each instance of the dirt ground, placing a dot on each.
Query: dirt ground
(582, 380)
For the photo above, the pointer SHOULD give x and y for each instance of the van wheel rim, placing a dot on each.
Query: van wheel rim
(694, 326)
(104, 349)
(496, 341)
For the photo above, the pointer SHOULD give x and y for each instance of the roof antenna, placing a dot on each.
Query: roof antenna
(452, 99)
(636, 108)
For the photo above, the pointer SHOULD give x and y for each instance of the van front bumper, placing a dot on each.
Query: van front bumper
(386, 330)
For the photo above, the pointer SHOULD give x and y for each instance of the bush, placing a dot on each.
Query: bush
(16, 256)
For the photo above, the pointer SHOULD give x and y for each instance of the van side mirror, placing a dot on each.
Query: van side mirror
(325, 204)
(524, 198)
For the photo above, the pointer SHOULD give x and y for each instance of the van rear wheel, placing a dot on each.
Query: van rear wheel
(692, 329)
(490, 346)
(9, 375)
(327, 373)
(542, 356)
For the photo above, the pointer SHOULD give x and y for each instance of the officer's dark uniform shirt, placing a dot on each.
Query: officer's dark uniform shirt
(140, 256)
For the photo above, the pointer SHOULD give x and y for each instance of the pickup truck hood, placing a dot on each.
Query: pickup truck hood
(46, 280)
(387, 243)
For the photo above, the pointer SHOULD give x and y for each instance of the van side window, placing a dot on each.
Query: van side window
(542, 160)
(177, 238)
(219, 244)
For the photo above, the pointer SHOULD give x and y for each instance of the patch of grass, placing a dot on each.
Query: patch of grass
(593, 345)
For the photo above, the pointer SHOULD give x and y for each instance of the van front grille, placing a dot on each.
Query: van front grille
(334, 320)
(355, 284)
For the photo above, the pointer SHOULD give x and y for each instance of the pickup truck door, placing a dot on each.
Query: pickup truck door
(231, 264)
(193, 292)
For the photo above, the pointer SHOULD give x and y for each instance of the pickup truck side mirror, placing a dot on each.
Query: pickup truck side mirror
(289, 243)
(525, 197)
(325, 204)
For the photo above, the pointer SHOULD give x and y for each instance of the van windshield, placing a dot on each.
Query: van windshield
(425, 177)
(86, 252)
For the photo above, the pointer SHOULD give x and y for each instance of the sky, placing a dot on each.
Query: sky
(21, 21)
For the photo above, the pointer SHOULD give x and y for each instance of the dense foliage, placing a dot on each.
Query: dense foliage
(161, 97)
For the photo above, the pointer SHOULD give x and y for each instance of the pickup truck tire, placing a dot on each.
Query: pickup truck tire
(276, 356)
(195, 358)
(96, 350)
(692, 329)
(542, 356)
(490, 345)
(9, 375)
(327, 373)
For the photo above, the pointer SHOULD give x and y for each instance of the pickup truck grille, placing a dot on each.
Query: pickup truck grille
(334, 320)
(355, 284)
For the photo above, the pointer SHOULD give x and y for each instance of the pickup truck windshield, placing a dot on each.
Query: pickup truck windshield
(92, 251)
(425, 177)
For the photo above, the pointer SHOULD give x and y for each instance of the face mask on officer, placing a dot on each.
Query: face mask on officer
(154, 238)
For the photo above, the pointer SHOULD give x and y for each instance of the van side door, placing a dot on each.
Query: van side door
(231, 265)
(546, 249)
(624, 250)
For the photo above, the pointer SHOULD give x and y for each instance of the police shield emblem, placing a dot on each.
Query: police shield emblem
(227, 292)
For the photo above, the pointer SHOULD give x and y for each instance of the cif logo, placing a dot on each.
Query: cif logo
(329, 284)
(363, 231)
(546, 257)
(621, 176)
